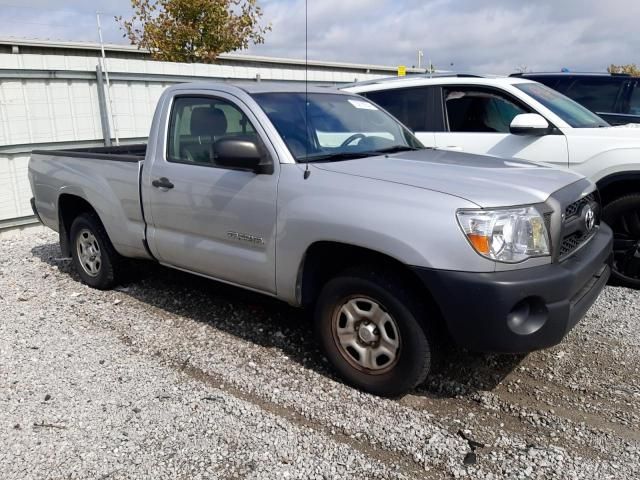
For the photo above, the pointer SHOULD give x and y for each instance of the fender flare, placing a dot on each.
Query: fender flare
(63, 233)
(618, 185)
(618, 177)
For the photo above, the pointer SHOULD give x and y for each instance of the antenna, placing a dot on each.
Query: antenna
(307, 172)
(106, 75)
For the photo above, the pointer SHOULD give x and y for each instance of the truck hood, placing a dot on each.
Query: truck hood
(486, 181)
(623, 136)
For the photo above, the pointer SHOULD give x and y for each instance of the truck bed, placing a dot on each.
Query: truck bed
(105, 177)
(122, 153)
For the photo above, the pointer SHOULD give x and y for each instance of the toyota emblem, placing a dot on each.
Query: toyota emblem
(589, 218)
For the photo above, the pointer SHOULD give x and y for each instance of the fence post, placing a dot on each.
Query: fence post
(102, 104)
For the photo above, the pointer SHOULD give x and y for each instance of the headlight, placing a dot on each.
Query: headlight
(509, 235)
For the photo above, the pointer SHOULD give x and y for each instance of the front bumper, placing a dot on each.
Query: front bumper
(519, 311)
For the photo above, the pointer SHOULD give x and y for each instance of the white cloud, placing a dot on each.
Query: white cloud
(484, 36)
(63, 20)
(488, 36)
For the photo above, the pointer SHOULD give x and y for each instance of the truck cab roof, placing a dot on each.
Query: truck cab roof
(257, 87)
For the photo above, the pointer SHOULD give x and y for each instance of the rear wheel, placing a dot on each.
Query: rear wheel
(92, 253)
(373, 331)
(623, 216)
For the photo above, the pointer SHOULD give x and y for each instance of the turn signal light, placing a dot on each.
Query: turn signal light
(479, 242)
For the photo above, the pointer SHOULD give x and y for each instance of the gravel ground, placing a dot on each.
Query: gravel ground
(174, 376)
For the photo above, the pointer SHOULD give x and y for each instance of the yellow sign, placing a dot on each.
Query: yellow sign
(402, 71)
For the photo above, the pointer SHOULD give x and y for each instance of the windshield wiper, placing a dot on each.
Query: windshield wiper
(336, 157)
(339, 156)
(397, 148)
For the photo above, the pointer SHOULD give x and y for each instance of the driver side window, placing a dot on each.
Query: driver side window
(197, 123)
(476, 110)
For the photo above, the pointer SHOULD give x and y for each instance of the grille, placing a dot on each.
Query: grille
(576, 207)
(574, 229)
(571, 242)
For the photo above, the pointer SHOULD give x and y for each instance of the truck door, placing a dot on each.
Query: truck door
(477, 120)
(203, 217)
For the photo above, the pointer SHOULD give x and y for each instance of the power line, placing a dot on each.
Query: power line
(17, 20)
(61, 22)
(56, 32)
(59, 10)
(42, 24)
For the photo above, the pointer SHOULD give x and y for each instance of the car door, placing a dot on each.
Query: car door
(205, 218)
(415, 107)
(478, 119)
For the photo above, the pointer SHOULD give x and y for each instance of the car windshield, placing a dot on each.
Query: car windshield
(571, 112)
(330, 126)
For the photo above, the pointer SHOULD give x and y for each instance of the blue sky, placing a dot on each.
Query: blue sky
(490, 36)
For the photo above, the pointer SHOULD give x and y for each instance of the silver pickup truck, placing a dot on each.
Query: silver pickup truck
(323, 200)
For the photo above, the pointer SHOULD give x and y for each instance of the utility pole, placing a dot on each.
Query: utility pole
(103, 66)
(420, 55)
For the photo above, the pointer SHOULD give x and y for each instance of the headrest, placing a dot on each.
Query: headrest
(207, 121)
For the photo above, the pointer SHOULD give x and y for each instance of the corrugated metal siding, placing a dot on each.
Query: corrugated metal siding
(14, 186)
(45, 111)
(40, 112)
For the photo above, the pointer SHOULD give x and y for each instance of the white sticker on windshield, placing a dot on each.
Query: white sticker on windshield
(363, 105)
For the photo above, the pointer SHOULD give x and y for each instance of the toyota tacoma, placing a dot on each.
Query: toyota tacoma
(321, 199)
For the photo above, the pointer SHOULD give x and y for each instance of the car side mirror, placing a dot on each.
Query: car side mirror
(241, 154)
(530, 124)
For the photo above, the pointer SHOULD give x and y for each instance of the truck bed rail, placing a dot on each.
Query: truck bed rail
(122, 153)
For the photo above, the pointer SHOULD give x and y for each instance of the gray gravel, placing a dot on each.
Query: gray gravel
(173, 376)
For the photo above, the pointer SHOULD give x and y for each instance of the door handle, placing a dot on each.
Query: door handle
(162, 182)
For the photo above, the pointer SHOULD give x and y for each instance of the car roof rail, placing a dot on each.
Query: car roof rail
(412, 76)
(599, 74)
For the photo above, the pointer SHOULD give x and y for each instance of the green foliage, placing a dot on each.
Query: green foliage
(193, 30)
(631, 69)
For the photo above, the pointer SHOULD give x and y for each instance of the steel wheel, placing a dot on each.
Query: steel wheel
(375, 330)
(366, 335)
(89, 254)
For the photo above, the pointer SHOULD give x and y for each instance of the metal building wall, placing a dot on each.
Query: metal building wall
(53, 101)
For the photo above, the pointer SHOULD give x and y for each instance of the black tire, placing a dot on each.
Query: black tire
(623, 216)
(107, 268)
(416, 344)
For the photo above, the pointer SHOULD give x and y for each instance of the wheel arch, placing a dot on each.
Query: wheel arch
(618, 184)
(70, 205)
(325, 259)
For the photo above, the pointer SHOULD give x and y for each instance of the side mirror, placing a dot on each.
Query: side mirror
(241, 154)
(529, 124)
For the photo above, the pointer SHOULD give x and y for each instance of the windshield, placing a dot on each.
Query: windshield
(571, 112)
(338, 127)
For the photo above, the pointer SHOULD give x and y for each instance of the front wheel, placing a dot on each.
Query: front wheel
(623, 216)
(373, 330)
(92, 253)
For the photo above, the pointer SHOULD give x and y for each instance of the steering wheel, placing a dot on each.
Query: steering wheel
(352, 138)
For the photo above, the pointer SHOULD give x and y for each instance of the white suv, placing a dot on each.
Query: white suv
(517, 118)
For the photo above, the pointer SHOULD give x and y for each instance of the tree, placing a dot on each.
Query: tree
(193, 30)
(631, 69)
